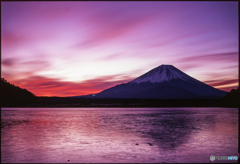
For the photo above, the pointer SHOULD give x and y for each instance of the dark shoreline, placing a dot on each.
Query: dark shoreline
(113, 102)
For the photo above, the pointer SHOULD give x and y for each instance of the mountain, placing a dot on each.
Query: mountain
(162, 82)
(12, 95)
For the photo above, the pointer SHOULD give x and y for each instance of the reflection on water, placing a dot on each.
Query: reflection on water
(118, 135)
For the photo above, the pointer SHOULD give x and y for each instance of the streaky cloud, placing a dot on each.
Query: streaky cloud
(229, 56)
(8, 62)
(42, 86)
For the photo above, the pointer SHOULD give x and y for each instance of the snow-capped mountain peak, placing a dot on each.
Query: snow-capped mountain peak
(162, 82)
(162, 73)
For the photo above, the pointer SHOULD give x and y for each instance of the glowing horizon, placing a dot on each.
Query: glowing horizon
(80, 48)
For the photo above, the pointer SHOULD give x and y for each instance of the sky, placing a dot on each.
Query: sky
(79, 48)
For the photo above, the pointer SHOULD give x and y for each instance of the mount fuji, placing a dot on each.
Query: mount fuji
(162, 82)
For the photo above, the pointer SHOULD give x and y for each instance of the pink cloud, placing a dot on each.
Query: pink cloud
(112, 57)
(200, 60)
(18, 68)
(13, 40)
(110, 24)
(221, 82)
(32, 64)
(227, 57)
(189, 65)
(8, 62)
(42, 86)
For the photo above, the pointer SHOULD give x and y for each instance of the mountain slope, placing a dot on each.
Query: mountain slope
(163, 82)
(166, 92)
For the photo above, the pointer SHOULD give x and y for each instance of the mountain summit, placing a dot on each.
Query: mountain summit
(162, 73)
(162, 82)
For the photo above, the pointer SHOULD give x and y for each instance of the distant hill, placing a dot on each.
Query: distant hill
(12, 95)
(232, 98)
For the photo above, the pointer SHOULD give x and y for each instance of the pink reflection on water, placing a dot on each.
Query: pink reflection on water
(104, 135)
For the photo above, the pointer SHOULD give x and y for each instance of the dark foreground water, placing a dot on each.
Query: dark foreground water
(66, 135)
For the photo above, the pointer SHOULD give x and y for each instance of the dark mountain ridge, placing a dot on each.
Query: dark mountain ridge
(12, 95)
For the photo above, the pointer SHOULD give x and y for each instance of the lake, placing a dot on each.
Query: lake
(118, 135)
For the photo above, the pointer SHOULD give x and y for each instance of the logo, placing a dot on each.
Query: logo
(212, 157)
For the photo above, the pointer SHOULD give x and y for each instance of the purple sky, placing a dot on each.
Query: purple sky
(77, 48)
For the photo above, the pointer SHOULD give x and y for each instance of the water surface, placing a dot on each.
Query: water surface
(121, 135)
